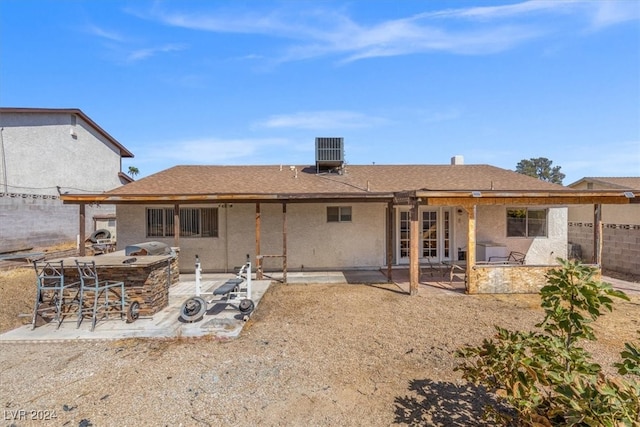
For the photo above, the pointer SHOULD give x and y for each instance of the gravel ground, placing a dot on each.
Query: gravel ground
(322, 355)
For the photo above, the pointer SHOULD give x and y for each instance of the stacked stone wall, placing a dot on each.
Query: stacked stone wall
(149, 284)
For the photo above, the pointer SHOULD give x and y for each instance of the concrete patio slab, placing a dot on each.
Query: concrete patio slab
(220, 321)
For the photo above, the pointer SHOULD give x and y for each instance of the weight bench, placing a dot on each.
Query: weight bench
(228, 288)
(235, 292)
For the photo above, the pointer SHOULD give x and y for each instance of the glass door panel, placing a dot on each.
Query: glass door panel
(405, 223)
(436, 235)
(429, 234)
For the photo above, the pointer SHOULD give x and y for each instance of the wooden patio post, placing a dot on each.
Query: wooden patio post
(414, 239)
(83, 236)
(258, 260)
(389, 241)
(471, 249)
(284, 242)
(176, 225)
(597, 234)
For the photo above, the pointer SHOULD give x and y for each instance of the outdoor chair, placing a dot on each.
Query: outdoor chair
(513, 258)
(97, 295)
(432, 267)
(51, 289)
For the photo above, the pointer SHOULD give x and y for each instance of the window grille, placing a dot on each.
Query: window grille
(194, 222)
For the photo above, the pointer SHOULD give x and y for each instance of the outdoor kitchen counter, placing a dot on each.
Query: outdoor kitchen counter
(147, 279)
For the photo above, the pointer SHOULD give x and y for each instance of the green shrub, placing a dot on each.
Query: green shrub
(545, 376)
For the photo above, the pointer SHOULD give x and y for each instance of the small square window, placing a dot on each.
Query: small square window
(339, 214)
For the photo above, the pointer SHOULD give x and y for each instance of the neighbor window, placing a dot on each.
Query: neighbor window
(339, 214)
(526, 222)
(194, 222)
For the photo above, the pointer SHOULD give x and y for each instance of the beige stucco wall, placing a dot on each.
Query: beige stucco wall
(492, 227)
(312, 242)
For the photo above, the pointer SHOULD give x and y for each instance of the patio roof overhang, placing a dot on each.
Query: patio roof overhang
(225, 198)
(429, 197)
(493, 197)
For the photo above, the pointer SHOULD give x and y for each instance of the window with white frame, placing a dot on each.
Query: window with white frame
(526, 222)
(338, 213)
(194, 222)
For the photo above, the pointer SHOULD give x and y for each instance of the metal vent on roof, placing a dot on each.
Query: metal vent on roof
(329, 153)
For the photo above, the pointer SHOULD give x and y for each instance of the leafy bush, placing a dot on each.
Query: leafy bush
(545, 376)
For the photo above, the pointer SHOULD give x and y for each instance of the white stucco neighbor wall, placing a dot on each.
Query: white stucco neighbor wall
(611, 214)
(41, 153)
(312, 242)
(492, 227)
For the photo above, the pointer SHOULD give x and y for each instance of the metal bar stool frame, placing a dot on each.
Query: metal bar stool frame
(102, 290)
(51, 289)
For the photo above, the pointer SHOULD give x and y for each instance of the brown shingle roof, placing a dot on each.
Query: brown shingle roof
(371, 179)
(629, 183)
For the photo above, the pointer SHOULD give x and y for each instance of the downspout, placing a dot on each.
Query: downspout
(4, 161)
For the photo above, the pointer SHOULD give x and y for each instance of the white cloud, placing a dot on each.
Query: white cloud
(322, 120)
(105, 34)
(140, 54)
(442, 116)
(123, 49)
(472, 30)
(609, 13)
(209, 150)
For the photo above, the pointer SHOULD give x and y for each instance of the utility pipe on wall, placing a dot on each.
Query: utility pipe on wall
(4, 160)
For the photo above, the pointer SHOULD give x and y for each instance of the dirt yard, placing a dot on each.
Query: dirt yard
(321, 355)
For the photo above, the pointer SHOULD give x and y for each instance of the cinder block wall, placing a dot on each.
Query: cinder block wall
(32, 220)
(620, 245)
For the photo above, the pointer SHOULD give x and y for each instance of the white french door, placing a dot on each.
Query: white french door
(435, 234)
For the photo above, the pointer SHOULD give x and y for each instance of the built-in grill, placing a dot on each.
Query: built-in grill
(147, 248)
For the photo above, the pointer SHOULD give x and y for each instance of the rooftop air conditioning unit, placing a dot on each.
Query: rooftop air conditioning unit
(329, 153)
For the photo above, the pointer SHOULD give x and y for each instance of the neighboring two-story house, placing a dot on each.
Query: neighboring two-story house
(45, 153)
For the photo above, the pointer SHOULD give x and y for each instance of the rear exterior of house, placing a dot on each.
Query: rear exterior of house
(331, 216)
(345, 217)
(46, 153)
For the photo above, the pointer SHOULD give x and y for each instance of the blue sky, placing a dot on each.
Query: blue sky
(404, 82)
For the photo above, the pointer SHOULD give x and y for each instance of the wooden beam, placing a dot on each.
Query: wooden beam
(176, 225)
(414, 257)
(82, 231)
(597, 234)
(258, 260)
(471, 249)
(389, 241)
(284, 242)
(523, 201)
